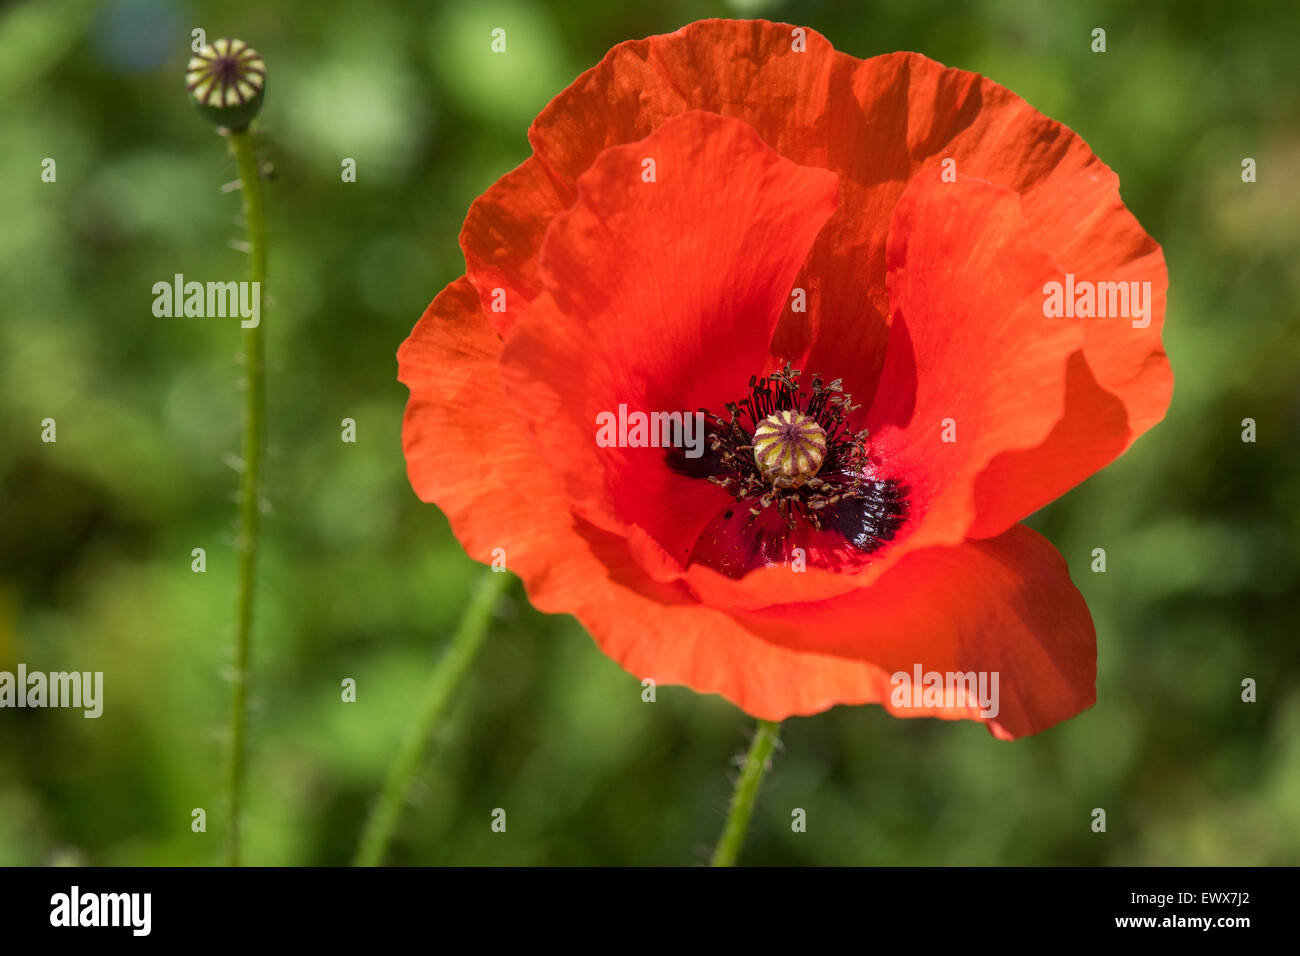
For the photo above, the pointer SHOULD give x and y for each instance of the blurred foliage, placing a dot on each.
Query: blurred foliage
(361, 580)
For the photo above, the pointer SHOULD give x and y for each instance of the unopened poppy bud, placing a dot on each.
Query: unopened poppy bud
(789, 447)
(226, 81)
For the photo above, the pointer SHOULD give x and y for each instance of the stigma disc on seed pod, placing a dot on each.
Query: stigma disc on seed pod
(226, 81)
(789, 447)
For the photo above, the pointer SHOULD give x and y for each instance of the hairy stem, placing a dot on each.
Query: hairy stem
(250, 487)
(746, 793)
(446, 677)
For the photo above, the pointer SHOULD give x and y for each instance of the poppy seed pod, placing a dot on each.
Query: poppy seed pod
(789, 446)
(227, 81)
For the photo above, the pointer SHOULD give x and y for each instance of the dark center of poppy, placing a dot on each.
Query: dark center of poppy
(792, 449)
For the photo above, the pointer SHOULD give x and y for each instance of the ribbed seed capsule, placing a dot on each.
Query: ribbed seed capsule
(226, 80)
(789, 447)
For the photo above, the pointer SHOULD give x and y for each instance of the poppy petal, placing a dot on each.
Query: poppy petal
(974, 368)
(456, 414)
(879, 123)
(502, 234)
(787, 82)
(661, 297)
(1006, 606)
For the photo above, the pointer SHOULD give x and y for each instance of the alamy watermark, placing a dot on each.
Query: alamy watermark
(946, 689)
(626, 429)
(75, 908)
(76, 689)
(211, 300)
(1100, 300)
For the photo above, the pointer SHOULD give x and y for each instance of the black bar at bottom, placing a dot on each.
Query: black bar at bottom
(927, 906)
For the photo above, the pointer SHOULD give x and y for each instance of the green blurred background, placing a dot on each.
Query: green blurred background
(361, 580)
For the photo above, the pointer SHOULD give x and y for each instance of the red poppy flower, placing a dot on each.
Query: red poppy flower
(736, 219)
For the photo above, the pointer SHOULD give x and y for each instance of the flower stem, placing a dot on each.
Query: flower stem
(250, 486)
(742, 800)
(446, 677)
